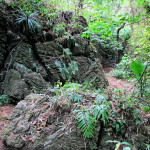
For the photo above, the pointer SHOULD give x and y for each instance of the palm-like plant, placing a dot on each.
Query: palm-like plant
(28, 22)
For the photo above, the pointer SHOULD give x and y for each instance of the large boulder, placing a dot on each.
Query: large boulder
(24, 55)
(19, 83)
(47, 122)
(14, 86)
(39, 123)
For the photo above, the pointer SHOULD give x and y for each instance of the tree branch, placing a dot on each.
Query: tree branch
(118, 30)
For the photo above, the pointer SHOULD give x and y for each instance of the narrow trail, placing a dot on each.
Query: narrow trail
(117, 83)
(5, 111)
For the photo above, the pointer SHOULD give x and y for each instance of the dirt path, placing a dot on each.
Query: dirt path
(117, 83)
(5, 112)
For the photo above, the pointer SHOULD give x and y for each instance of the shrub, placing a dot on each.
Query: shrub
(123, 70)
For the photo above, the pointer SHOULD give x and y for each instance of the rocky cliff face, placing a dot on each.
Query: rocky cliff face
(29, 63)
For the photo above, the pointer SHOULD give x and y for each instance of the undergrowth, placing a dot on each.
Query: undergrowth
(136, 72)
(112, 108)
(123, 70)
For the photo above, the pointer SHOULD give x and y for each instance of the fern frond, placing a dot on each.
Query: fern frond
(86, 123)
(100, 111)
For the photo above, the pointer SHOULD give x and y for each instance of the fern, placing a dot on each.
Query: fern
(73, 66)
(100, 110)
(86, 122)
(86, 118)
(67, 72)
(67, 53)
(76, 98)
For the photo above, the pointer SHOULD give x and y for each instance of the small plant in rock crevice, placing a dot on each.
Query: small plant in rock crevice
(76, 98)
(4, 100)
(67, 71)
(59, 29)
(28, 22)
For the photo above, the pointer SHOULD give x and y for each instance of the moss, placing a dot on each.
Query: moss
(3, 118)
(5, 133)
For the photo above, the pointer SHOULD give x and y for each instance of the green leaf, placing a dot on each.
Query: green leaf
(126, 143)
(137, 68)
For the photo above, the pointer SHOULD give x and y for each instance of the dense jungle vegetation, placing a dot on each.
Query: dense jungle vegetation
(124, 24)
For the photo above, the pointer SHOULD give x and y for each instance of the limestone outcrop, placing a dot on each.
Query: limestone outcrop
(28, 63)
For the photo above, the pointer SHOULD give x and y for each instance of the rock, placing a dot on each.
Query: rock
(37, 123)
(139, 140)
(14, 86)
(46, 121)
(49, 52)
(19, 83)
(81, 46)
(47, 49)
(50, 36)
(66, 16)
(3, 50)
(24, 55)
(89, 69)
(70, 140)
(15, 140)
(82, 21)
(78, 26)
(35, 81)
(28, 66)
(92, 72)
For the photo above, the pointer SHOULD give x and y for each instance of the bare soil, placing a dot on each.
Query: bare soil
(118, 83)
(5, 112)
